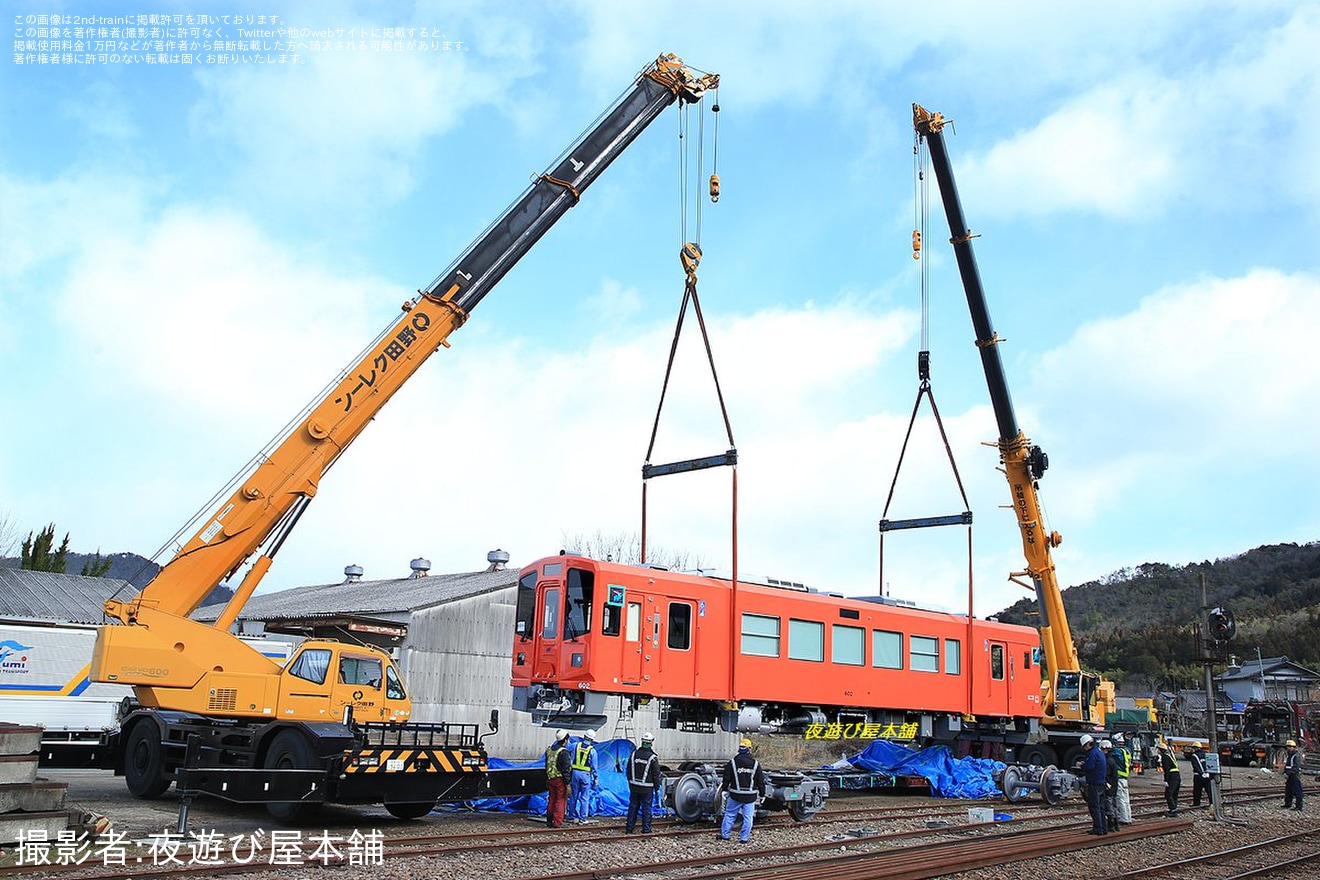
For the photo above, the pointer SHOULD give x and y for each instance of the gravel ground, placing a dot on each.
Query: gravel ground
(98, 792)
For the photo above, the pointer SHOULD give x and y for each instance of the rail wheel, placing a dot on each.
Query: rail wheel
(290, 751)
(691, 797)
(1011, 782)
(144, 761)
(809, 806)
(410, 810)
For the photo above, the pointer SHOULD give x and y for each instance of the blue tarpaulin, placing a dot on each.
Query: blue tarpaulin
(949, 777)
(610, 798)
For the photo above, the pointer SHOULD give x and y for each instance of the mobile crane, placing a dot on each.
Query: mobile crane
(1073, 701)
(336, 716)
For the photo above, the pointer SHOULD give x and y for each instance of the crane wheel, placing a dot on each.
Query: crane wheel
(144, 761)
(290, 751)
(410, 810)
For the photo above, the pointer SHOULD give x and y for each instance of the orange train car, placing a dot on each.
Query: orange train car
(765, 657)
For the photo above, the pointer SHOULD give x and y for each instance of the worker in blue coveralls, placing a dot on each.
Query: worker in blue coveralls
(583, 779)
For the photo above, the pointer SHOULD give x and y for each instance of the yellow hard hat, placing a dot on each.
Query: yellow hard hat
(1198, 745)
(1292, 744)
(745, 744)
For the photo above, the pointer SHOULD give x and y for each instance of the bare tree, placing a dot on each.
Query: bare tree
(626, 547)
(8, 534)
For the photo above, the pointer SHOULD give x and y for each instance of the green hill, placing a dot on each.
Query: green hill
(1136, 625)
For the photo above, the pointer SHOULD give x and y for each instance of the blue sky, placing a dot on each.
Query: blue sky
(189, 253)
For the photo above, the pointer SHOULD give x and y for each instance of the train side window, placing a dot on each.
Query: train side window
(848, 645)
(610, 620)
(924, 654)
(760, 635)
(680, 626)
(952, 657)
(997, 662)
(806, 640)
(550, 615)
(886, 649)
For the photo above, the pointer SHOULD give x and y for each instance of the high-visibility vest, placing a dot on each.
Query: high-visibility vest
(639, 771)
(1124, 763)
(582, 757)
(744, 778)
(552, 762)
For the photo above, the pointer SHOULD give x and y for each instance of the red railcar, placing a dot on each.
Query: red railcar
(764, 657)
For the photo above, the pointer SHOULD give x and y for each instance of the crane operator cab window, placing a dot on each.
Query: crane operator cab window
(311, 665)
(1069, 687)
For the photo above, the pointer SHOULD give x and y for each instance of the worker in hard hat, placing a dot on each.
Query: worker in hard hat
(1200, 774)
(558, 766)
(1292, 772)
(583, 780)
(643, 783)
(1172, 776)
(744, 782)
(1093, 771)
(1123, 761)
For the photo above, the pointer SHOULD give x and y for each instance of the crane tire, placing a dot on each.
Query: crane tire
(144, 761)
(290, 750)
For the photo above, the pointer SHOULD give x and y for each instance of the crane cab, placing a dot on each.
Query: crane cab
(324, 677)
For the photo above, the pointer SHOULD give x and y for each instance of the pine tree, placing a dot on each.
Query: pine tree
(37, 555)
(96, 567)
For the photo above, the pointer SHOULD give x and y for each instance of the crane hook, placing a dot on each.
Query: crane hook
(714, 188)
(916, 244)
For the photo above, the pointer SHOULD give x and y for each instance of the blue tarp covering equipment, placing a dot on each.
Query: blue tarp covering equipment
(610, 798)
(949, 777)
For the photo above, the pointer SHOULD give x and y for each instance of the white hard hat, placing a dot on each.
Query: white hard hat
(560, 734)
(1118, 737)
(1106, 744)
(589, 736)
(648, 737)
(1087, 739)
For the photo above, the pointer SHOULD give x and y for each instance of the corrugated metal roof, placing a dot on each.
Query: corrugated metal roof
(1271, 667)
(402, 595)
(45, 595)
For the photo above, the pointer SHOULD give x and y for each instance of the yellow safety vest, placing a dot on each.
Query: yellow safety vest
(581, 756)
(552, 762)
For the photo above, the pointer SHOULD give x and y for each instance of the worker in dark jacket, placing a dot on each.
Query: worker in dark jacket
(1200, 774)
(1093, 771)
(1111, 785)
(643, 783)
(744, 782)
(1292, 771)
(1172, 777)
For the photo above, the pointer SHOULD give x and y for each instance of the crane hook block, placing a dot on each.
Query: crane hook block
(714, 188)
(916, 244)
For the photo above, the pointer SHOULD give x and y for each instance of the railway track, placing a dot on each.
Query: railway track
(1290, 855)
(940, 831)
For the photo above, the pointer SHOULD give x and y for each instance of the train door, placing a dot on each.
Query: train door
(674, 643)
(997, 682)
(633, 644)
(549, 613)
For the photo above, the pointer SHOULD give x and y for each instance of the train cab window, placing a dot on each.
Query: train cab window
(952, 657)
(550, 615)
(525, 615)
(923, 654)
(806, 640)
(848, 645)
(886, 649)
(312, 665)
(680, 626)
(760, 635)
(579, 590)
(997, 662)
